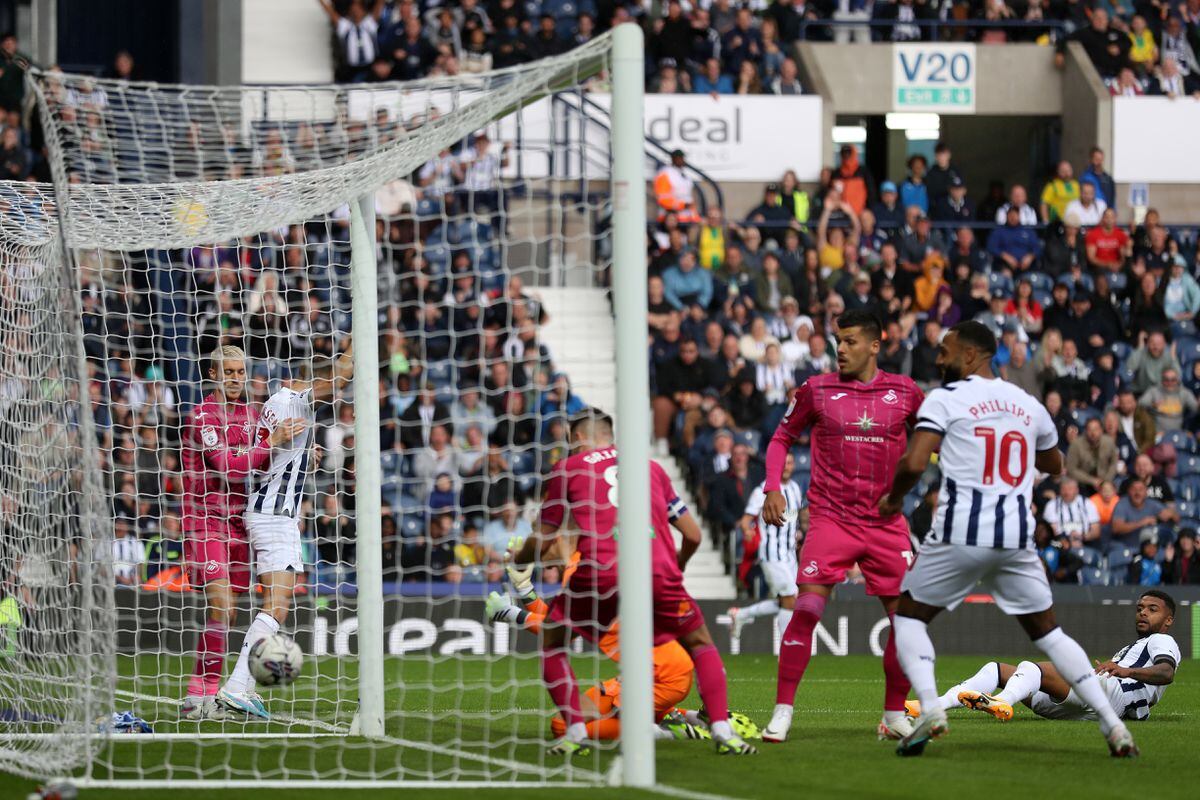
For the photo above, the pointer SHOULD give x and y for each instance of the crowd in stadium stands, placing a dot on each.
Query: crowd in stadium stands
(1094, 317)
(725, 47)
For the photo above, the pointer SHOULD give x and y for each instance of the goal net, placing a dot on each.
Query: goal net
(466, 222)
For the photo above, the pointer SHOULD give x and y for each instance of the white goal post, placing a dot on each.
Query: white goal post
(288, 220)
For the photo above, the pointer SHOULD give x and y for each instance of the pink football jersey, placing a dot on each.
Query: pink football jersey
(859, 432)
(585, 486)
(218, 456)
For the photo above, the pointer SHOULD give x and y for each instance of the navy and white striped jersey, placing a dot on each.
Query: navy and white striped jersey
(778, 541)
(1139, 697)
(279, 489)
(1074, 517)
(991, 433)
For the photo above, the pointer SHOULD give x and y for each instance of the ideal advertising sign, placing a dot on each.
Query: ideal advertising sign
(934, 77)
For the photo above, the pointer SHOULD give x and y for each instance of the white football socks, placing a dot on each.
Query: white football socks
(1072, 663)
(240, 680)
(782, 618)
(915, 651)
(1023, 683)
(985, 680)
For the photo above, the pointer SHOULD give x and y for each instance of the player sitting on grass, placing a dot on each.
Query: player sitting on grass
(273, 519)
(1134, 679)
(601, 704)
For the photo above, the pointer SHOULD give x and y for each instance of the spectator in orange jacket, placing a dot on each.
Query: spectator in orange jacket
(858, 187)
(925, 288)
(673, 190)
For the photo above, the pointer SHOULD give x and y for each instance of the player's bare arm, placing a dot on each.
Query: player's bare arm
(335, 377)
(1159, 674)
(1049, 461)
(686, 525)
(286, 431)
(774, 507)
(921, 447)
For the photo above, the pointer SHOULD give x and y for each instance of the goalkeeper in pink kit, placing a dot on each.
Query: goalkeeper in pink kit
(859, 419)
(218, 458)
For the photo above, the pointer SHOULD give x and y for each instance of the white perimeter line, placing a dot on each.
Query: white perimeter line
(515, 766)
(685, 794)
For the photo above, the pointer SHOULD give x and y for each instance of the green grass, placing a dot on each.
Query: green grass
(833, 751)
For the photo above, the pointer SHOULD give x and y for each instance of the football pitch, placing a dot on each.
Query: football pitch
(833, 751)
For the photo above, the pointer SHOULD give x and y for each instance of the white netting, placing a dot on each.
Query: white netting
(201, 217)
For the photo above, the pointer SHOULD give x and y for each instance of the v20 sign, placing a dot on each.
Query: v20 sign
(934, 77)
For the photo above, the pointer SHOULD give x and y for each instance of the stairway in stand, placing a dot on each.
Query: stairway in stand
(580, 336)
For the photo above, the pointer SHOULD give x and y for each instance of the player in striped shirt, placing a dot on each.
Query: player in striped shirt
(217, 459)
(994, 439)
(776, 556)
(272, 518)
(1134, 679)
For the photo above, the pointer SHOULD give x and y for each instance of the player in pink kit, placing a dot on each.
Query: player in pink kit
(218, 457)
(860, 419)
(584, 487)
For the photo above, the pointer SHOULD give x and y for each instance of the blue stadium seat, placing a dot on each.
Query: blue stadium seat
(1039, 281)
(910, 504)
(1187, 510)
(998, 281)
(1183, 441)
(1189, 488)
(527, 483)
(1121, 350)
(1188, 464)
(440, 373)
(1184, 328)
(412, 527)
(750, 438)
(1082, 415)
(1120, 557)
(1093, 576)
(803, 460)
(1043, 297)
(523, 463)
(1117, 282)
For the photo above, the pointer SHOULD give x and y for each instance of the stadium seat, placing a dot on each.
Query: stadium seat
(412, 527)
(1188, 464)
(1187, 510)
(803, 460)
(1121, 350)
(999, 282)
(1187, 349)
(523, 463)
(1043, 297)
(1120, 557)
(1040, 281)
(1189, 488)
(1182, 441)
(1117, 282)
(1090, 556)
(1183, 328)
(1093, 576)
(750, 438)
(1082, 415)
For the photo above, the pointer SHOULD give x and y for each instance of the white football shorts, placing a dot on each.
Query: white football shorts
(780, 577)
(944, 574)
(276, 543)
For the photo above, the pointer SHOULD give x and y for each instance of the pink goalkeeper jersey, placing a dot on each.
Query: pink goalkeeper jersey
(859, 432)
(218, 456)
(585, 486)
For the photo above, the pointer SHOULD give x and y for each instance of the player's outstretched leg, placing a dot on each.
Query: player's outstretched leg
(915, 651)
(985, 680)
(795, 651)
(238, 692)
(1072, 663)
(710, 681)
(1021, 684)
(739, 618)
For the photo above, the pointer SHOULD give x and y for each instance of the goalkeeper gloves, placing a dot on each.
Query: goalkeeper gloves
(499, 609)
(521, 577)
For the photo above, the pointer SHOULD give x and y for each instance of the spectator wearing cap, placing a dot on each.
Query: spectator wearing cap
(686, 284)
(941, 175)
(914, 192)
(953, 206)
(787, 82)
(1107, 245)
(667, 79)
(994, 317)
(889, 214)
(1088, 209)
(1017, 198)
(1181, 300)
(1065, 250)
(711, 80)
(1017, 247)
(1058, 192)
(1170, 403)
(770, 215)
(858, 187)
(1106, 187)
(674, 191)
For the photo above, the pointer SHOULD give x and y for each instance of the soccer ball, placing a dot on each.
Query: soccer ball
(275, 660)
